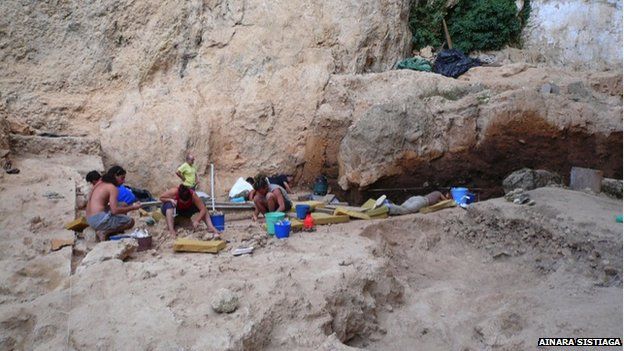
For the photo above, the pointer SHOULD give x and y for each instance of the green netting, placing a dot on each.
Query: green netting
(415, 63)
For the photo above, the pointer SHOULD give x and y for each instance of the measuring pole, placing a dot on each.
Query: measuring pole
(212, 186)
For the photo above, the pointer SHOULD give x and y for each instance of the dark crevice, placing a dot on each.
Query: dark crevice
(530, 142)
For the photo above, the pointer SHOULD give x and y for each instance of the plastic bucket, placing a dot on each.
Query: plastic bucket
(282, 230)
(302, 211)
(271, 219)
(459, 194)
(218, 221)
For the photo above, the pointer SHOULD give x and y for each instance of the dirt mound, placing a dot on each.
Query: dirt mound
(499, 275)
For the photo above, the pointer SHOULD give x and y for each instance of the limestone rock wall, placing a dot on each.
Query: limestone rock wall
(486, 124)
(294, 86)
(577, 33)
(235, 81)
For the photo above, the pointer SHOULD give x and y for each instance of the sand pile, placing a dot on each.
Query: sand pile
(495, 276)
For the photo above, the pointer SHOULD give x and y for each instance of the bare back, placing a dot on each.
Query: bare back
(102, 198)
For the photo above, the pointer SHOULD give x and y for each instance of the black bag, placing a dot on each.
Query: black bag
(453, 63)
(141, 194)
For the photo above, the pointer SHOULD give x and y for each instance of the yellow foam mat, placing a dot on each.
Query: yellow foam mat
(78, 225)
(440, 205)
(192, 245)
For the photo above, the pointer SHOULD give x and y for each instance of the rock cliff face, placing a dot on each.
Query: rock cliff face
(476, 129)
(577, 33)
(295, 86)
(237, 82)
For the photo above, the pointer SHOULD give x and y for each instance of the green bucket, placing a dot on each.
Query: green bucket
(271, 219)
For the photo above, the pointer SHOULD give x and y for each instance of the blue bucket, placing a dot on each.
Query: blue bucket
(302, 211)
(282, 230)
(459, 195)
(218, 221)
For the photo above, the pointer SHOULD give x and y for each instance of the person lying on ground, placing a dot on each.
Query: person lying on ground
(125, 197)
(269, 197)
(415, 203)
(187, 172)
(104, 214)
(185, 202)
(283, 180)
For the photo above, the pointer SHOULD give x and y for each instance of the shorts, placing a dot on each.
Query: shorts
(288, 205)
(105, 221)
(189, 212)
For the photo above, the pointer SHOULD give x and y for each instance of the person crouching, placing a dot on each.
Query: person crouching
(268, 197)
(185, 202)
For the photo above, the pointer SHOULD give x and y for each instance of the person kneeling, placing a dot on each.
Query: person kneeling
(185, 202)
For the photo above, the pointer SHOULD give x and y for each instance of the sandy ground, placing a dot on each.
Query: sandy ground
(494, 277)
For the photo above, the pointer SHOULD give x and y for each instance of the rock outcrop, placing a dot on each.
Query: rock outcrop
(109, 250)
(529, 179)
(482, 126)
(293, 87)
(612, 187)
(237, 82)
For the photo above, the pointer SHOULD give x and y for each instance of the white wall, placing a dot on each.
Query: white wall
(577, 33)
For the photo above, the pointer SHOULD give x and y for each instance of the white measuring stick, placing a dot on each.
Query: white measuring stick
(212, 186)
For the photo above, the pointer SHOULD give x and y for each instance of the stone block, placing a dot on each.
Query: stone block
(585, 178)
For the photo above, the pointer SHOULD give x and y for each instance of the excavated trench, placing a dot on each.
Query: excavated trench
(481, 280)
(530, 142)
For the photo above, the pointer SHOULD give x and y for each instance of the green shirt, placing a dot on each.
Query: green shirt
(189, 174)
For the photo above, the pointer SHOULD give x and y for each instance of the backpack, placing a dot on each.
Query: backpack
(320, 186)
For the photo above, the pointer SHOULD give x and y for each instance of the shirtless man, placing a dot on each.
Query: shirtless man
(103, 212)
(269, 197)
